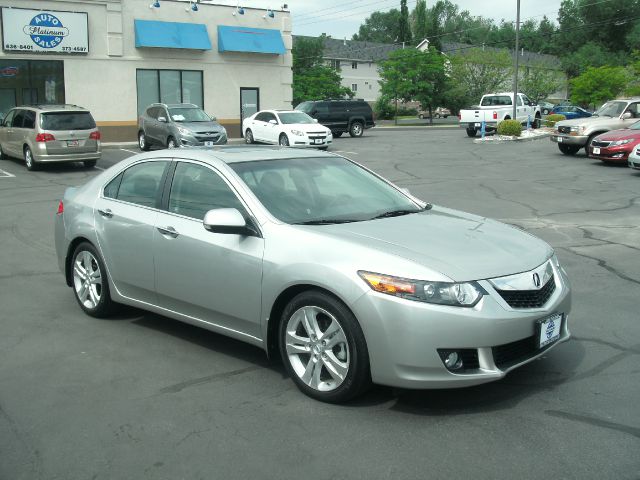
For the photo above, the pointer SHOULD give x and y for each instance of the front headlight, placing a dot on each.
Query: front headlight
(465, 294)
(578, 130)
(184, 131)
(297, 133)
(224, 132)
(620, 142)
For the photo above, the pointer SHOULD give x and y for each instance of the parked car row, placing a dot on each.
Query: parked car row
(612, 134)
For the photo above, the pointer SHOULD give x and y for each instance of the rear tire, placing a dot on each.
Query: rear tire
(336, 369)
(421, 116)
(3, 156)
(90, 163)
(337, 134)
(471, 132)
(90, 281)
(537, 122)
(143, 143)
(356, 129)
(568, 149)
(29, 160)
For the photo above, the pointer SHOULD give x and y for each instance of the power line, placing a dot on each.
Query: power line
(312, 13)
(304, 23)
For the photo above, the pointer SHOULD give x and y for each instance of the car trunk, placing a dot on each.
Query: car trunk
(71, 131)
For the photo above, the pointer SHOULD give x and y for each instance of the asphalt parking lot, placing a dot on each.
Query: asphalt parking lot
(142, 396)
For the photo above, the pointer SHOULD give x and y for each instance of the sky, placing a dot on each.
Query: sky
(340, 18)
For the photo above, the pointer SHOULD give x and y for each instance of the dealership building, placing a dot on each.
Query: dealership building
(115, 57)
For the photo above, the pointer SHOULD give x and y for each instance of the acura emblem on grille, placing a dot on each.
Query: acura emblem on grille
(536, 280)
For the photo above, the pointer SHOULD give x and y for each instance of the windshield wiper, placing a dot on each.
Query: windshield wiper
(396, 213)
(329, 221)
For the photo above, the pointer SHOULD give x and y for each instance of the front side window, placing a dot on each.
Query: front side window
(196, 189)
(611, 109)
(8, 119)
(321, 190)
(141, 183)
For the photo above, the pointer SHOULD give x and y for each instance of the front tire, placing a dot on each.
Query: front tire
(568, 149)
(248, 137)
(90, 163)
(3, 156)
(284, 140)
(143, 143)
(323, 348)
(356, 129)
(90, 282)
(29, 160)
(171, 143)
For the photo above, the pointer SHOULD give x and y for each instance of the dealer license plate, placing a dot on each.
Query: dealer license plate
(549, 330)
(596, 151)
(317, 141)
(559, 139)
(72, 143)
(208, 144)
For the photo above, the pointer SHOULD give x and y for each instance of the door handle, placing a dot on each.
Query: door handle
(106, 213)
(169, 231)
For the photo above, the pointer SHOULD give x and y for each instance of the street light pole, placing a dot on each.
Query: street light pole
(515, 75)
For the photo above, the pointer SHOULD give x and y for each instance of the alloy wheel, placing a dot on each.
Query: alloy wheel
(141, 141)
(284, 141)
(28, 158)
(171, 143)
(87, 280)
(317, 348)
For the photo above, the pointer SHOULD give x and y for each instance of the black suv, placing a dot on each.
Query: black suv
(341, 116)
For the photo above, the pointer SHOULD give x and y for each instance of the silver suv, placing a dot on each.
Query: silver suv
(50, 133)
(178, 125)
(572, 135)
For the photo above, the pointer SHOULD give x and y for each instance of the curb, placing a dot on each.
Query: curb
(511, 139)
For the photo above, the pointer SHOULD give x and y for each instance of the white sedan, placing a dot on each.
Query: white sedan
(286, 128)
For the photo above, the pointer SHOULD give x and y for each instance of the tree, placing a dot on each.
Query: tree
(312, 79)
(478, 72)
(420, 21)
(588, 55)
(598, 85)
(414, 75)
(538, 82)
(382, 27)
(404, 31)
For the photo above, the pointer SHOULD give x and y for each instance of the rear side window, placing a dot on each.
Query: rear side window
(111, 190)
(29, 119)
(141, 183)
(67, 121)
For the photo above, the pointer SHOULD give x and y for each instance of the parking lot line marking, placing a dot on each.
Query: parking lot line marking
(130, 151)
(99, 168)
(342, 151)
(6, 174)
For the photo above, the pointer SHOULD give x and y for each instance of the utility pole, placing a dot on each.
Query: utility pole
(517, 54)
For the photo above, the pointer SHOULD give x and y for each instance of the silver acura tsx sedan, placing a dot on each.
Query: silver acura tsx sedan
(315, 258)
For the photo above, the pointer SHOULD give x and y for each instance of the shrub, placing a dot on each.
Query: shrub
(510, 127)
(407, 112)
(383, 109)
(551, 120)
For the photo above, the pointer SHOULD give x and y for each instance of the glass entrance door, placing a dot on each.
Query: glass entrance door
(249, 103)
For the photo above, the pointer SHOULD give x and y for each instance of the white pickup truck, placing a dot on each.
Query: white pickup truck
(496, 107)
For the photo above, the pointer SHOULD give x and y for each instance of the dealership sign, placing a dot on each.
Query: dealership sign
(40, 31)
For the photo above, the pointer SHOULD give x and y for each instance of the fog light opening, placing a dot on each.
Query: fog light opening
(452, 359)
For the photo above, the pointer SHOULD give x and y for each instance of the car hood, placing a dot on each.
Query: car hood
(458, 245)
(306, 127)
(202, 127)
(588, 121)
(621, 134)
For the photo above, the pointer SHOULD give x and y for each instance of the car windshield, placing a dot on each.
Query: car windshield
(611, 109)
(289, 118)
(188, 114)
(320, 191)
(495, 100)
(305, 107)
(67, 121)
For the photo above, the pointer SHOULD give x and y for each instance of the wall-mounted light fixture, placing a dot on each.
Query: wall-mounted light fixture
(193, 6)
(155, 4)
(238, 11)
(270, 13)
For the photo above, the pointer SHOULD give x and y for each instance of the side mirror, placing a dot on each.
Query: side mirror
(273, 122)
(227, 221)
(627, 115)
(315, 120)
(162, 119)
(213, 118)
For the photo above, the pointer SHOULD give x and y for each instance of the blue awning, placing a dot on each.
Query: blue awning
(151, 33)
(252, 40)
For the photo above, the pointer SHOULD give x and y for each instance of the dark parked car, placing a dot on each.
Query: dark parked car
(571, 111)
(353, 116)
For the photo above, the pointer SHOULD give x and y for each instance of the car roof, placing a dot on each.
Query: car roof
(230, 154)
(56, 108)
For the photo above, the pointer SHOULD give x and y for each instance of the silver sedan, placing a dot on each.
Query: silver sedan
(315, 259)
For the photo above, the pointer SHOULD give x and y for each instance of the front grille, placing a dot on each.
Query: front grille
(317, 133)
(529, 298)
(317, 138)
(596, 143)
(509, 354)
(208, 139)
(564, 129)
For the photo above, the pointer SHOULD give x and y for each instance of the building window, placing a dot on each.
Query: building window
(354, 65)
(335, 64)
(354, 87)
(169, 86)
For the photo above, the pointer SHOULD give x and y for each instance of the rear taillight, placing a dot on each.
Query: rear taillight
(495, 115)
(459, 116)
(60, 208)
(95, 135)
(45, 137)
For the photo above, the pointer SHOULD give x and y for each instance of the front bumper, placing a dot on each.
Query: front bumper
(488, 126)
(610, 154)
(573, 140)
(311, 141)
(634, 161)
(404, 336)
(188, 141)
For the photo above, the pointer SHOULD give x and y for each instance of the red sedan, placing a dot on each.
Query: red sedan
(616, 145)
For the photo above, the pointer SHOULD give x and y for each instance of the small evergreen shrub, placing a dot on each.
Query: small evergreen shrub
(512, 128)
(551, 120)
(383, 109)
